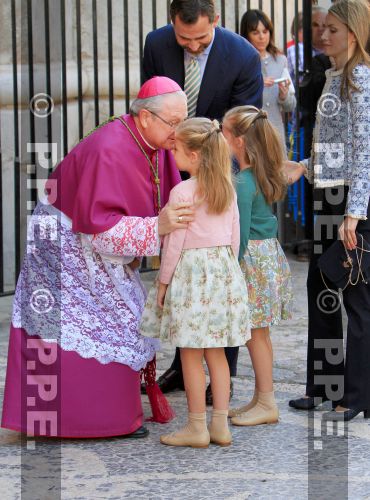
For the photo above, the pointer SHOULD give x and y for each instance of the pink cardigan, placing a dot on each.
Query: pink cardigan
(207, 230)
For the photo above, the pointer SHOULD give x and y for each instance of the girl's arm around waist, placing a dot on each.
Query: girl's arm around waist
(245, 203)
(235, 235)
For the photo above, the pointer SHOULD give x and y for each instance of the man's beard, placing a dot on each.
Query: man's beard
(199, 51)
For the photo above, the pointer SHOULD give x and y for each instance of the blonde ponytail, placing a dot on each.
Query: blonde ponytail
(263, 149)
(214, 175)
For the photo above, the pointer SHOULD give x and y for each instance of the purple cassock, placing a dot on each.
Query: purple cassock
(75, 353)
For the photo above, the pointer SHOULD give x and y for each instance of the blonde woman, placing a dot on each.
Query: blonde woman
(339, 169)
(257, 147)
(201, 304)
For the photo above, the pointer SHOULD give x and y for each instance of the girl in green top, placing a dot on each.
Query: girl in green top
(257, 146)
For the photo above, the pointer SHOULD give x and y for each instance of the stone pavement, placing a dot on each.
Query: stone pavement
(264, 462)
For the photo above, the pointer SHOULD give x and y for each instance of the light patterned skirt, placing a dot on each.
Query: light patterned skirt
(206, 303)
(268, 278)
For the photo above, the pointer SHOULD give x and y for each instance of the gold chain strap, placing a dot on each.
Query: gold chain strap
(350, 262)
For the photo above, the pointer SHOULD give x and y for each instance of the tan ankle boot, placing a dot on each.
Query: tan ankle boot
(265, 411)
(219, 428)
(195, 433)
(235, 412)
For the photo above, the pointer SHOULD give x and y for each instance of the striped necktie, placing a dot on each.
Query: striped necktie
(192, 85)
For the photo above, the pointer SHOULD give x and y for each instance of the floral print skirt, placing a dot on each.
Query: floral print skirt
(206, 303)
(268, 278)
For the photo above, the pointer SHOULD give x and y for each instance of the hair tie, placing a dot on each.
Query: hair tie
(261, 114)
(216, 125)
(215, 128)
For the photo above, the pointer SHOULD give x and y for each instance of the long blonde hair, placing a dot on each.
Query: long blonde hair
(355, 14)
(263, 148)
(214, 176)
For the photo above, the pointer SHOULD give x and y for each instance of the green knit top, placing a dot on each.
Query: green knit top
(257, 222)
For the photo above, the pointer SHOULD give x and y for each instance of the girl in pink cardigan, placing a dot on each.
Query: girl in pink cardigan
(200, 300)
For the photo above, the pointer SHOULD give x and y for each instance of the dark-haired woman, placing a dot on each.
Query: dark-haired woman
(258, 29)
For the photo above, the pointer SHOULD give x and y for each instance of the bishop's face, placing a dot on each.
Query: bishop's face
(159, 128)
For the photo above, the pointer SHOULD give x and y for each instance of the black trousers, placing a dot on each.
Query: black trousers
(231, 356)
(329, 375)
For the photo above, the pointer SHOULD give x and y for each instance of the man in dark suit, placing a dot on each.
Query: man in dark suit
(230, 67)
(217, 70)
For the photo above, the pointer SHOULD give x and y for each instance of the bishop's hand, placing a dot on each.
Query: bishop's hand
(173, 217)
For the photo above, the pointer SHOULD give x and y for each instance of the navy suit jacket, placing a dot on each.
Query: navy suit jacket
(232, 75)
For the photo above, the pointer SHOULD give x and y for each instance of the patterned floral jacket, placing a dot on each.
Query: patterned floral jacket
(341, 143)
